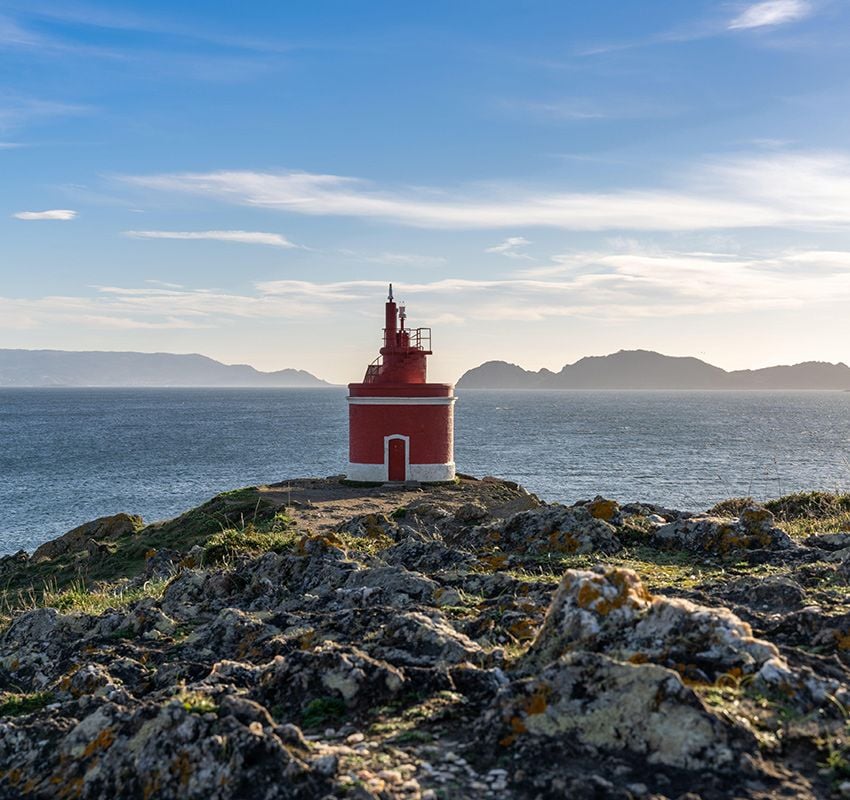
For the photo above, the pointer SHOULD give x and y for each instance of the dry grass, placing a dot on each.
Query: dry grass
(799, 515)
(77, 597)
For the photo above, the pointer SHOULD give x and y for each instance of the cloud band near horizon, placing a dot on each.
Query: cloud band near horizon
(630, 284)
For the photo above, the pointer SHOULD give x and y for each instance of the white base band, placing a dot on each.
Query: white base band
(401, 401)
(421, 473)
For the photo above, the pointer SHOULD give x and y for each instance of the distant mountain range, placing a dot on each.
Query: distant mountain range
(644, 369)
(67, 368)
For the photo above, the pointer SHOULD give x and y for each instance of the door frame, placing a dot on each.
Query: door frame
(406, 440)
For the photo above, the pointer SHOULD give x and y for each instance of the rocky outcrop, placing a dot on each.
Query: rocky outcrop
(468, 642)
(551, 529)
(754, 529)
(608, 610)
(603, 703)
(89, 535)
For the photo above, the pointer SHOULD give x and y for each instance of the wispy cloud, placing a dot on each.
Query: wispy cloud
(705, 282)
(81, 14)
(568, 109)
(619, 285)
(803, 190)
(577, 109)
(53, 213)
(767, 14)
(17, 112)
(13, 35)
(510, 247)
(395, 259)
(242, 237)
(16, 36)
(770, 13)
(164, 284)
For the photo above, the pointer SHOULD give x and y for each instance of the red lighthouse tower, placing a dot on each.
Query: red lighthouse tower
(401, 428)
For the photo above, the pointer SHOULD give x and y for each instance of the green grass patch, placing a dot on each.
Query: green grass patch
(197, 702)
(127, 554)
(323, 710)
(804, 527)
(14, 705)
(658, 569)
(371, 544)
(731, 507)
(227, 544)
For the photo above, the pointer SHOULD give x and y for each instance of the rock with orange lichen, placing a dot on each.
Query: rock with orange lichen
(174, 750)
(609, 610)
(549, 529)
(592, 701)
(438, 648)
(603, 508)
(35, 648)
(754, 529)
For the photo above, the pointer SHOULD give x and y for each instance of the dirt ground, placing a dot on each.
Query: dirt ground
(321, 504)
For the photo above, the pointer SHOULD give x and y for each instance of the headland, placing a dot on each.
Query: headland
(314, 639)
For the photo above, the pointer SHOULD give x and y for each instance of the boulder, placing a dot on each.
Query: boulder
(426, 556)
(232, 634)
(776, 594)
(549, 529)
(829, 541)
(342, 673)
(169, 751)
(602, 508)
(609, 610)
(393, 586)
(40, 644)
(10, 564)
(417, 639)
(754, 529)
(603, 704)
(99, 530)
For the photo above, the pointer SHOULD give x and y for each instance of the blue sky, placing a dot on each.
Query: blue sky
(541, 180)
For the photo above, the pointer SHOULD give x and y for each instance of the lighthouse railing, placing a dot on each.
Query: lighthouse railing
(416, 338)
(374, 370)
(420, 338)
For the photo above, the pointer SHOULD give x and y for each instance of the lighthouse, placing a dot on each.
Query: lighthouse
(400, 427)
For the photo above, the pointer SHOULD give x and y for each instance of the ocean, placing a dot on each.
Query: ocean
(70, 455)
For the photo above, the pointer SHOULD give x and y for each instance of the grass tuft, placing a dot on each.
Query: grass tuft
(197, 702)
(322, 710)
(275, 535)
(77, 597)
(15, 705)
